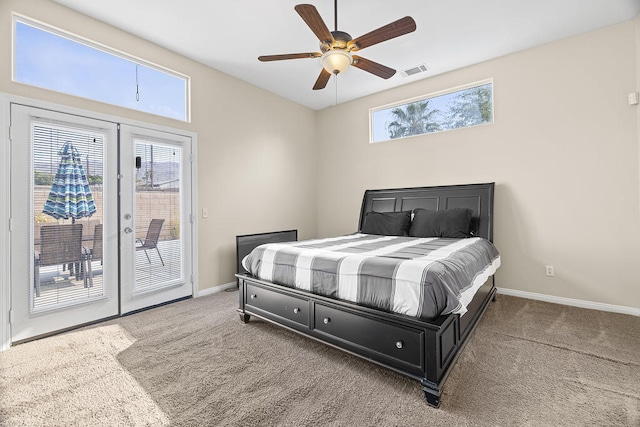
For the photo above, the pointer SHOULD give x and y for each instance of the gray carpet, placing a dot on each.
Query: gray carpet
(193, 363)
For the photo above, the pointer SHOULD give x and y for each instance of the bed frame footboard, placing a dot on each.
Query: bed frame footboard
(423, 350)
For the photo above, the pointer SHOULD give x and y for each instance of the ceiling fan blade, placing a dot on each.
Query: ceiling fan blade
(395, 29)
(266, 58)
(311, 17)
(323, 79)
(372, 67)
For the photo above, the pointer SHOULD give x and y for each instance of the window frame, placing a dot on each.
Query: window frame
(427, 97)
(25, 20)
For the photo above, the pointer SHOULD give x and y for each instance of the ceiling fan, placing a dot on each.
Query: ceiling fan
(337, 46)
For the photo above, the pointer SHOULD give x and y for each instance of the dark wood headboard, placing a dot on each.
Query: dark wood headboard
(477, 197)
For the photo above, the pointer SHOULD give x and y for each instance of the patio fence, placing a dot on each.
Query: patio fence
(156, 203)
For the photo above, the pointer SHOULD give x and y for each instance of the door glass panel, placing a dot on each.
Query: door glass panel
(159, 245)
(67, 206)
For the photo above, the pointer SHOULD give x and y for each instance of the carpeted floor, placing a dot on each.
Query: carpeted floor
(193, 363)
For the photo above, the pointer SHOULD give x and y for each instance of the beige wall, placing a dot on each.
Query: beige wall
(256, 151)
(563, 152)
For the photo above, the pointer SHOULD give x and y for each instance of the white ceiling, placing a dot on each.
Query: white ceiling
(230, 35)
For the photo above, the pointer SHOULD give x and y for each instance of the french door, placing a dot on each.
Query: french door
(155, 170)
(84, 196)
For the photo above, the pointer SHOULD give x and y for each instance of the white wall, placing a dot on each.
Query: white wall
(563, 152)
(256, 169)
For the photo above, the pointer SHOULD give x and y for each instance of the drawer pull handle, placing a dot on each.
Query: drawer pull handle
(296, 310)
(326, 320)
(399, 344)
(254, 296)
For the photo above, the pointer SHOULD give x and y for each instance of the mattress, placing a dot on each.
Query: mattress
(418, 277)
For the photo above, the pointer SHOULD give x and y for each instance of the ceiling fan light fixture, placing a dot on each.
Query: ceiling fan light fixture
(336, 61)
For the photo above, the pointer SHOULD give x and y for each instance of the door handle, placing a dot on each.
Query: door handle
(128, 230)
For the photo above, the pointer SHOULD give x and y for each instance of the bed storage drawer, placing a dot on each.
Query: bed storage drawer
(271, 303)
(383, 340)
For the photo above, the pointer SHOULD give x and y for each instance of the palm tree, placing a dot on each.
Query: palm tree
(471, 106)
(413, 119)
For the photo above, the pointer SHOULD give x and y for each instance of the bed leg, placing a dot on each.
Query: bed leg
(433, 398)
(244, 318)
(493, 298)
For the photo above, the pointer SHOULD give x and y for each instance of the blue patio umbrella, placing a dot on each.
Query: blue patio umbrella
(70, 196)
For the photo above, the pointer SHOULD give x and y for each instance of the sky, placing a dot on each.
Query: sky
(53, 62)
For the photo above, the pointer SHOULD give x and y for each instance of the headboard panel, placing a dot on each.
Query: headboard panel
(477, 197)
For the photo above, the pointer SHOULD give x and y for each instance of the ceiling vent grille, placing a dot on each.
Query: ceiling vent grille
(413, 71)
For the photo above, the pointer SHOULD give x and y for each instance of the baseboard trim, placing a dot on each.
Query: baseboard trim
(504, 291)
(215, 289)
(571, 301)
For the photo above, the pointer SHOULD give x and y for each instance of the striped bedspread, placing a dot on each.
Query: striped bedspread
(420, 277)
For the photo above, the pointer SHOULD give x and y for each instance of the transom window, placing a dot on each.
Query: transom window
(446, 110)
(47, 58)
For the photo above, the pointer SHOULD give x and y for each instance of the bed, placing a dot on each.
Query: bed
(396, 293)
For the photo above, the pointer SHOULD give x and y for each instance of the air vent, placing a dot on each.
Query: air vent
(413, 71)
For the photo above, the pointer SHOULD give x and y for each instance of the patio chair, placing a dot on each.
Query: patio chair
(60, 244)
(95, 252)
(151, 241)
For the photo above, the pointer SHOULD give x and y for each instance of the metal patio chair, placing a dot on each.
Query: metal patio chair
(151, 241)
(60, 244)
(95, 252)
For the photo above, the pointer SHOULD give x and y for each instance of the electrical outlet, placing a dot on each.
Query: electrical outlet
(205, 213)
(549, 270)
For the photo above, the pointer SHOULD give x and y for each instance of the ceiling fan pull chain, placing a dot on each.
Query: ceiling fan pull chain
(336, 87)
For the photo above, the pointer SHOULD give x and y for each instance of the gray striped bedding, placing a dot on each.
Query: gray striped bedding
(419, 277)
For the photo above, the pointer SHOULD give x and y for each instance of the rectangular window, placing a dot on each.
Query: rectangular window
(53, 60)
(446, 110)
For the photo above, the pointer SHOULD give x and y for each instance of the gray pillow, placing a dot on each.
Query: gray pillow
(387, 223)
(449, 223)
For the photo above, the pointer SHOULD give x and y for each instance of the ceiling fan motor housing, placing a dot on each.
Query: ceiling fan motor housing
(340, 41)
